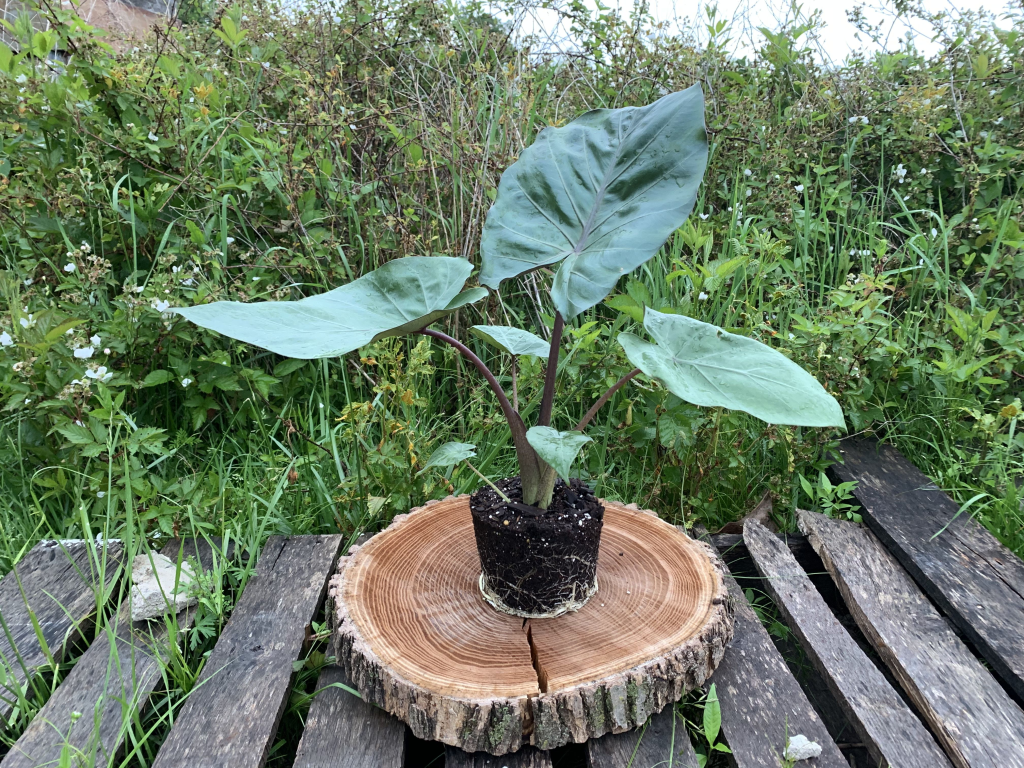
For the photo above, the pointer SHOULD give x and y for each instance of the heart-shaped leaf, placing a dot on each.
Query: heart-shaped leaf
(705, 365)
(558, 449)
(400, 297)
(603, 193)
(449, 455)
(515, 341)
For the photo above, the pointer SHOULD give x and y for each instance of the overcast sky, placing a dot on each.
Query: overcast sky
(838, 37)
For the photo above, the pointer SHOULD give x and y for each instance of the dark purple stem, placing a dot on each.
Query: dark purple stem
(529, 467)
(548, 400)
(506, 406)
(604, 399)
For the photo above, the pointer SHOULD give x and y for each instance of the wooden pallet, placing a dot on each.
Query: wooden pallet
(905, 657)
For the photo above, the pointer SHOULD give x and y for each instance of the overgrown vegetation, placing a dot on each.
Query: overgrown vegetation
(863, 219)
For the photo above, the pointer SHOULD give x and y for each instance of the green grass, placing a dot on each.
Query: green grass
(383, 133)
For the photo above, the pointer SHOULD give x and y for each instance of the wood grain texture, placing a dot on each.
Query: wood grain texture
(343, 731)
(970, 714)
(762, 703)
(527, 757)
(892, 733)
(976, 581)
(59, 583)
(415, 636)
(230, 718)
(114, 677)
(659, 743)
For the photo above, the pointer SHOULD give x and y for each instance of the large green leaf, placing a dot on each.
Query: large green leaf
(602, 193)
(558, 449)
(515, 341)
(449, 455)
(399, 297)
(707, 366)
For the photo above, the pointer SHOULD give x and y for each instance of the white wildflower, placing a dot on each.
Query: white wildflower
(85, 247)
(84, 353)
(186, 381)
(265, 64)
(69, 268)
(106, 350)
(703, 216)
(864, 120)
(95, 339)
(160, 305)
(702, 296)
(153, 137)
(100, 374)
(230, 240)
(100, 494)
(900, 172)
(747, 172)
(748, 193)
(799, 188)
(5, 339)
(27, 281)
(924, 171)
(935, 232)
(21, 79)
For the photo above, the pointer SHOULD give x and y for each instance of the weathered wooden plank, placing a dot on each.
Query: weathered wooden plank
(527, 757)
(976, 581)
(762, 703)
(230, 718)
(970, 714)
(343, 731)
(60, 583)
(892, 733)
(661, 742)
(115, 676)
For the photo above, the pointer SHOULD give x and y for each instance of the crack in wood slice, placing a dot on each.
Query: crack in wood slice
(415, 637)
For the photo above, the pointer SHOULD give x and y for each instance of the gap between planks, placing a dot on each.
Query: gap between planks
(973, 578)
(232, 714)
(60, 582)
(87, 712)
(970, 714)
(892, 733)
(762, 703)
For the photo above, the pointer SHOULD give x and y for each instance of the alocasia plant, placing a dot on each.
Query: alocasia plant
(594, 200)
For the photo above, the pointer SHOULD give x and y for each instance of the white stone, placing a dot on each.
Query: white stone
(153, 586)
(801, 748)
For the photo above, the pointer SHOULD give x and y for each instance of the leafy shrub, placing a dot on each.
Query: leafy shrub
(863, 219)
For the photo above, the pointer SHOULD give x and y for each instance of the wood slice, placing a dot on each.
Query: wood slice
(416, 638)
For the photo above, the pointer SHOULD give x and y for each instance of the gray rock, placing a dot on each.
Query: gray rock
(157, 583)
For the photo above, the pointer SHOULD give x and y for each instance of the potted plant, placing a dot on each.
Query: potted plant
(593, 200)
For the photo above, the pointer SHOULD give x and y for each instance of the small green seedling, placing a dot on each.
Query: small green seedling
(712, 728)
(592, 200)
(834, 500)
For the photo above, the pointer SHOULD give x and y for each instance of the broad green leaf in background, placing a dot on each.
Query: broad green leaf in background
(400, 297)
(515, 341)
(707, 366)
(601, 195)
(450, 454)
(558, 449)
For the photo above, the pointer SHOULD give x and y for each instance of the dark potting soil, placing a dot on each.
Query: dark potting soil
(536, 563)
